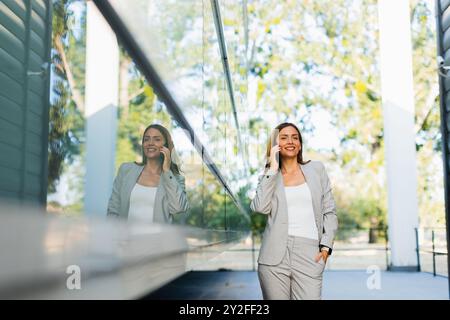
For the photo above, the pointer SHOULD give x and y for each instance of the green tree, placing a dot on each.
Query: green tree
(66, 122)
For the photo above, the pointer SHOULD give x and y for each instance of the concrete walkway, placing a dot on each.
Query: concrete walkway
(338, 285)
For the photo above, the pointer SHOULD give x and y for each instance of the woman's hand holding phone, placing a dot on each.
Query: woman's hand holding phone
(167, 160)
(274, 156)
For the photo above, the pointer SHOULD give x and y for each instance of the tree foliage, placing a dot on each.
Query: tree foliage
(66, 121)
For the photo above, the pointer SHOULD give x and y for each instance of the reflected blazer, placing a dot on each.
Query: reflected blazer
(270, 199)
(170, 196)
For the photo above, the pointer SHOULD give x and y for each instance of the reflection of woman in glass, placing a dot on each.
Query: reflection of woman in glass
(302, 222)
(154, 190)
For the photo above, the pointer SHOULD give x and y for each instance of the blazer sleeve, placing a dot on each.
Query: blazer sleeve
(330, 221)
(114, 200)
(175, 188)
(262, 202)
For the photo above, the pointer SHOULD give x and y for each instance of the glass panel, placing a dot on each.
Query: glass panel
(180, 41)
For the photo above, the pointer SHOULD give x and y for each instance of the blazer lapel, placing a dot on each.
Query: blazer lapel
(314, 187)
(282, 196)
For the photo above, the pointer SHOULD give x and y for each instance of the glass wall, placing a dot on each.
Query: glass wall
(179, 40)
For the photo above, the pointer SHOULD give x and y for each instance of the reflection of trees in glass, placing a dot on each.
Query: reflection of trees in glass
(138, 108)
(234, 217)
(66, 122)
(187, 39)
(188, 42)
(210, 207)
(207, 204)
(189, 45)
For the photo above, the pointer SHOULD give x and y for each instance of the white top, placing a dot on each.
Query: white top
(300, 212)
(142, 200)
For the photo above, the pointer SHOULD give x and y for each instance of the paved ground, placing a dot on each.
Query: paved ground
(342, 285)
(338, 285)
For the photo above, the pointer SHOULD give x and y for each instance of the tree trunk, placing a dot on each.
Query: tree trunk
(76, 95)
(124, 98)
(373, 235)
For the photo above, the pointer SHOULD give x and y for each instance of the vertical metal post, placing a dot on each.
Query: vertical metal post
(253, 252)
(418, 249)
(444, 130)
(386, 239)
(434, 254)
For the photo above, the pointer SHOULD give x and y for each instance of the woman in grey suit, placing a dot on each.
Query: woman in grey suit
(296, 195)
(153, 190)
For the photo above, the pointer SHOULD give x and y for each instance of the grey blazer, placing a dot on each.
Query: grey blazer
(270, 199)
(170, 195)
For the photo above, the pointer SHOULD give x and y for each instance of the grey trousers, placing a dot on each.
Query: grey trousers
(298, 276)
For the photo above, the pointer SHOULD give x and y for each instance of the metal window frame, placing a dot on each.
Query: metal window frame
(226, 67)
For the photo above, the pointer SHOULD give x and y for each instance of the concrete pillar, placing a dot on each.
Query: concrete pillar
(399, 136)
(102, 88)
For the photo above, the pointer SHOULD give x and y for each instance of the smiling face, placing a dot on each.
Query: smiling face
(152, 143)
(289, 142)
